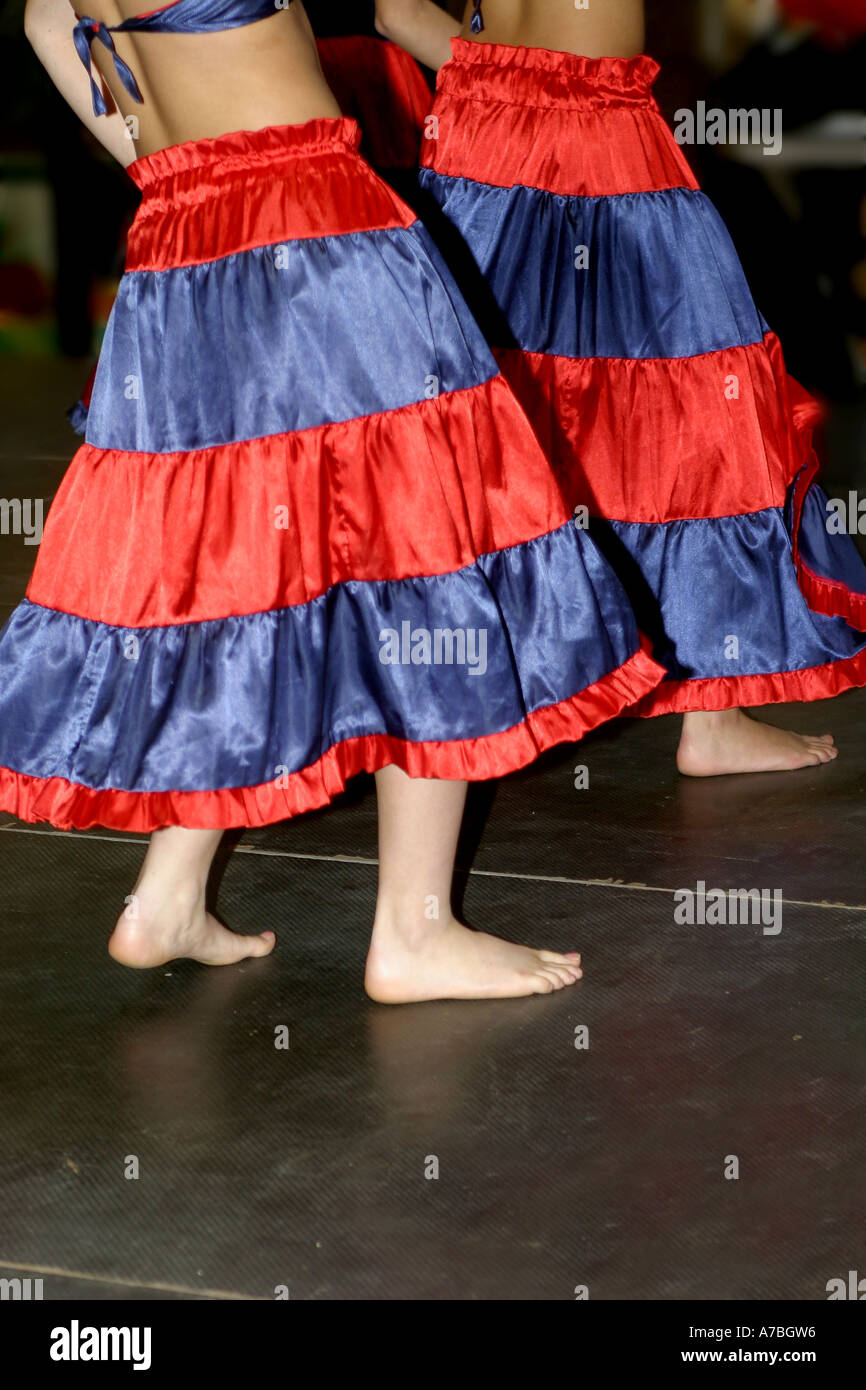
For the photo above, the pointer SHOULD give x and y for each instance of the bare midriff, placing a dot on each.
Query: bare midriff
(198, 86)
(604, 28)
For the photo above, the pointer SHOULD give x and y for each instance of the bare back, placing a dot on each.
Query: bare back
(196, 86)
(605, 28)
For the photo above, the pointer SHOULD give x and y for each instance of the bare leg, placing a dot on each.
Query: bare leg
(166, 917)
(724, 741)
(418, 949)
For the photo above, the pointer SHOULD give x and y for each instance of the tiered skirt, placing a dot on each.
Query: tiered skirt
(310, 532)
(619, 313)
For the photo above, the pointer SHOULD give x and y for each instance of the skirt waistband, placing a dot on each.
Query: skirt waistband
(543, 77)
(248, 149)
(208, 199)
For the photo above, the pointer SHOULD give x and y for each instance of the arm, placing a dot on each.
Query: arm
(419, 26)
(48, 25)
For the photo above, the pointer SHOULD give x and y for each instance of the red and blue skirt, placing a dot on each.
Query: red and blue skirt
(310, 531)
(620, 315)
(381, 87)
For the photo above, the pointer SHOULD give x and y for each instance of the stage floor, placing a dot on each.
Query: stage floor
(601, 1166)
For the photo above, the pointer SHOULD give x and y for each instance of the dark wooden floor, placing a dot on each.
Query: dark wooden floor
(558, 1166)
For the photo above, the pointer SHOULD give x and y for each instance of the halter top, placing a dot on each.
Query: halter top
(177, 17)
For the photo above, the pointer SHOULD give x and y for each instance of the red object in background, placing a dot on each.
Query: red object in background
(383, 89)
(844, 16)
(23, 290)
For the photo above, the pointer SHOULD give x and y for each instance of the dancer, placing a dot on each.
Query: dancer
(309, 532)
(620, 315)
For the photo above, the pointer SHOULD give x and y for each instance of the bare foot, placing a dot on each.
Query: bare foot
(445, 960)
(725, 741)
(160, 931)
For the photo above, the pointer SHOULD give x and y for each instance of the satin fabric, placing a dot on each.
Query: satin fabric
(553, 121)
(69, 805)
(829, 573)
(383, 497)
(375, 83)
(306, 296)
(201, 640)
(193, 700)
(662, 279)
(688, 580)
(652, 380)
(662, 440)
(208, 200)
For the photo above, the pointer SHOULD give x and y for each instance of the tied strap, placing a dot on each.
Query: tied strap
(477, 23)
(85, 31)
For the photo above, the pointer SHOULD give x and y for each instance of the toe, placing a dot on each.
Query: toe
(565, 968)
(558, 977)
(544, 983)
(565, 975)
(823, 752)
(263, 944)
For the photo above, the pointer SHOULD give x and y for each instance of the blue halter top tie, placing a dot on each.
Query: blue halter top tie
(181, 17)
(476, 24)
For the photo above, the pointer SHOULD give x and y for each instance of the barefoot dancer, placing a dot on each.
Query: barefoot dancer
(621, 317)
(309, 532)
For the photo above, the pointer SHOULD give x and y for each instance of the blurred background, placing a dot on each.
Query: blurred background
(798, 219)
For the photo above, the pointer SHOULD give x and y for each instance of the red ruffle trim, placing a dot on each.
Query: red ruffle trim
(831, 597)
(745, 692)
(68, 806)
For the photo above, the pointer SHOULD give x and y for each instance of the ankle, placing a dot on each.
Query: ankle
(153, 896)
(409, 920)
(705, 721)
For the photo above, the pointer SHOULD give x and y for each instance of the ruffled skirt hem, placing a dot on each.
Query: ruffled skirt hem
(69, 806)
